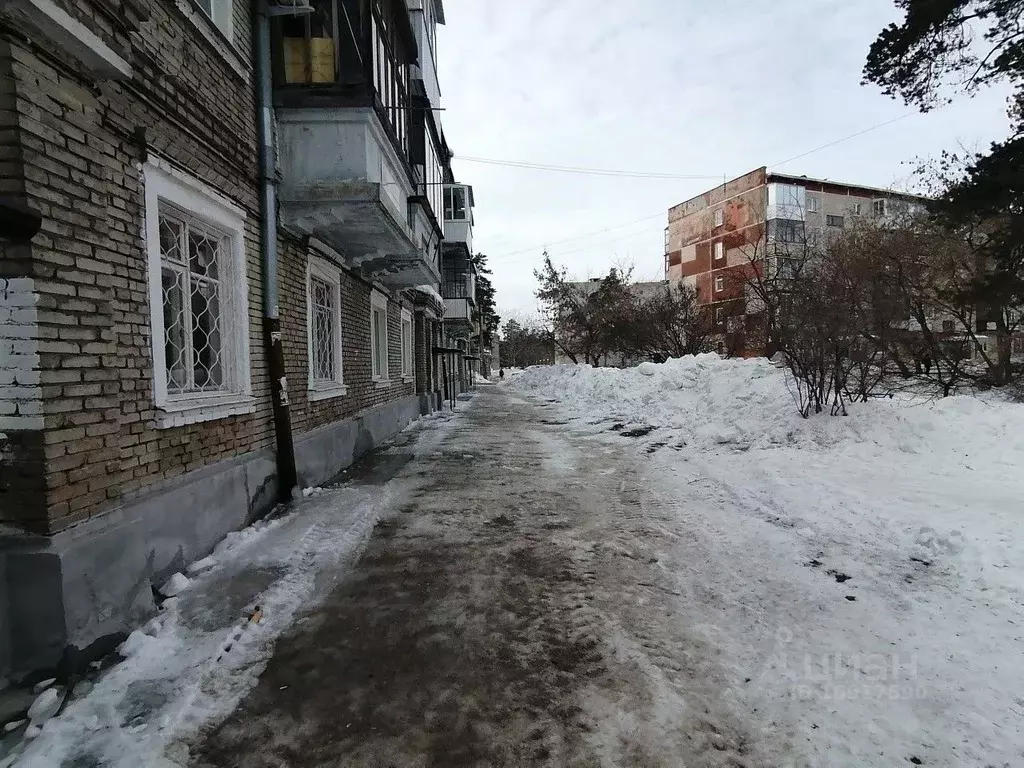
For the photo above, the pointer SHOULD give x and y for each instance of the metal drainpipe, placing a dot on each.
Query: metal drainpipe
(287, 477)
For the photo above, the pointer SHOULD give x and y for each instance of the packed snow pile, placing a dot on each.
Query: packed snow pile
(859, 578)
(711, 403)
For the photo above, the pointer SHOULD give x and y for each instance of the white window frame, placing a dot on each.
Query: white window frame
(719, 284)
(813, 204)
(719, 249)
(719, 217)
(408, 372)
(857, 209)
(222, 16)
(165, 184)
(322, 389)
(379, 361)
(879, 207)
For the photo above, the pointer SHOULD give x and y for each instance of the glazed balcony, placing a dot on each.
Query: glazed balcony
(458, 215)
(342, 100)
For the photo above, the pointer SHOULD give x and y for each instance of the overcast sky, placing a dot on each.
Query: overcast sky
(681, 87)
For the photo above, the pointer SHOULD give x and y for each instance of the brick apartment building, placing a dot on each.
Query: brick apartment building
(141, 413)
(714, 240)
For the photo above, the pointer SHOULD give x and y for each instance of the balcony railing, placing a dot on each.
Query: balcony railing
(463, 287)
(324, 59)
(458, 309)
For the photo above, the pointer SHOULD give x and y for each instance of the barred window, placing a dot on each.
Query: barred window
(324, 330)
(191, 258)
(198, 300)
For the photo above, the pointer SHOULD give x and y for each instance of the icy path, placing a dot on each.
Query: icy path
(859, 581)
(549, 586)
(515, 612)
(196, 660)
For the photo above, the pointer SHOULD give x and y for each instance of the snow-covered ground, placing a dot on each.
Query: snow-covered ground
(193, 663)
(861, 577)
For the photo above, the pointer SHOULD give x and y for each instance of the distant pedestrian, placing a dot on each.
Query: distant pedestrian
(501, 373)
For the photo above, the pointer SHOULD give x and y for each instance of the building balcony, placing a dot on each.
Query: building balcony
(342, 104)
(459, 287)
(343, 182)
(458, 215)
(458, 310)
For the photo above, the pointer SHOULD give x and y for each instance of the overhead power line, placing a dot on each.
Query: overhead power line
(845, 138)
(585, 171)
(597, 171)
(579, 237)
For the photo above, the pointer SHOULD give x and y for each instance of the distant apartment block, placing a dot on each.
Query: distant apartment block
(715, 239)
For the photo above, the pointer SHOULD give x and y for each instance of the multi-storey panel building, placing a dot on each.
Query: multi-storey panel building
(715, 240)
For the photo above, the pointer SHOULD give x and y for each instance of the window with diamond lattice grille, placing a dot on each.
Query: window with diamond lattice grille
(192, 256)
(323, 314)
(198, 299)
(323, 321)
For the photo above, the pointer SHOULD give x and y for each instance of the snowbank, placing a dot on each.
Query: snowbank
(859, 577)
(709, 403)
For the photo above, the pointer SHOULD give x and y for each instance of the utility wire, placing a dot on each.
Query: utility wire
(580, 237)
(845, 138)
(597, 171)
(586, 171)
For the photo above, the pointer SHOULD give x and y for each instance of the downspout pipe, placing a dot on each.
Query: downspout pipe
(287, 477)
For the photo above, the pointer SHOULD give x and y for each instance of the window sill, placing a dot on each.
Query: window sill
(180, 413)
(408, 379)
(316, 394)
(382, 383)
